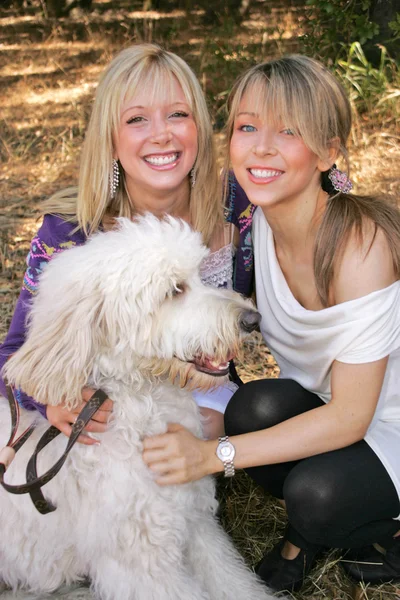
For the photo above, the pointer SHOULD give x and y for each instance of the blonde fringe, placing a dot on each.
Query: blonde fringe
(90, 203)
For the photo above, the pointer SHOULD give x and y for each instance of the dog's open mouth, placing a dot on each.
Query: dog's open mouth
(206, 365)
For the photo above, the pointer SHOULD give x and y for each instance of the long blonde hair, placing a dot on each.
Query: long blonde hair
(149, 66)
(300, 92)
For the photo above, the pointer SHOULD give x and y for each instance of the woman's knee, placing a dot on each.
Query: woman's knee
(266, 402)
(312, 505)
(251, 407)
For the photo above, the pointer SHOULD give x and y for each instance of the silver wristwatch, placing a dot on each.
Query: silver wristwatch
(226, 453)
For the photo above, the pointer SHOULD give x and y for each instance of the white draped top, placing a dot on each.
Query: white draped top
(305, 342)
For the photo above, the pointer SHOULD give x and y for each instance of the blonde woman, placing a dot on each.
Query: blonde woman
(324, 438)
(148, 147)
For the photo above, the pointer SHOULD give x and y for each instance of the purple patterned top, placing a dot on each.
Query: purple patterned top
(240, 211)
(56, 235)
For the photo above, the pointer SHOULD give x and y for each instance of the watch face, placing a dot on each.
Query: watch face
(225, 451)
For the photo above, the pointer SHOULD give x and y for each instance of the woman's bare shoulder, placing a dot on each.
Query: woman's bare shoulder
(365, 266)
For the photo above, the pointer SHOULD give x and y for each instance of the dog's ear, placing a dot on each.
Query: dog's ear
(64, 334)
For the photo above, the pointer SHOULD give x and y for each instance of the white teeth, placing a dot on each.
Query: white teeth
(161, 160)
(220, 366)
(263, 173)
(214, 363)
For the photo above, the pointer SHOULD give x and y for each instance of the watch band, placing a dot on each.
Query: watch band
(229, 469)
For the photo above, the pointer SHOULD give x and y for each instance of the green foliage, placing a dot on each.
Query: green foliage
(338, 33)
(332, 25)
(372, 90)
(395, 26)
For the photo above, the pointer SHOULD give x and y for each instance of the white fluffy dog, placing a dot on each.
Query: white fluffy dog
(127, 313)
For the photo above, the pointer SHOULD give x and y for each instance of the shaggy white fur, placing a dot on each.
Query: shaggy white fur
(127, 313)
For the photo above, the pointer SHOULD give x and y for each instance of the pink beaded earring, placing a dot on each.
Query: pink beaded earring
(339, 180)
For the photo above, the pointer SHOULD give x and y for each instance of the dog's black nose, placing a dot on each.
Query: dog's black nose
(249, 320)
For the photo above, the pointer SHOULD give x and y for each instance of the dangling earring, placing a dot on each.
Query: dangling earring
(192, 176)
(114, 178)
(340, 181)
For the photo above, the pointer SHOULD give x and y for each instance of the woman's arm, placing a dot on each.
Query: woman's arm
(13, 341)
(57, 415)
(177, 456)
(15, 338)
(54, 236)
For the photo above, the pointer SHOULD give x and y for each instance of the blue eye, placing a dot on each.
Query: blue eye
(247, 128)
(288, 131)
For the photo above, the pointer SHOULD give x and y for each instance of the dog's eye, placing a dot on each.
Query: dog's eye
(178, 289)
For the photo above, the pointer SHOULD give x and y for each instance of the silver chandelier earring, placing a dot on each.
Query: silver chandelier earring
(114, 178)
(192, 176)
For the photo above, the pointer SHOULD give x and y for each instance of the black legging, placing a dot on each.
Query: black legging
(339, 499)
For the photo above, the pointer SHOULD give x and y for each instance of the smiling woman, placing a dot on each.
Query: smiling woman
(291, 165)
(148, 104)
(156, 146)
(148, 147)
(327, 270)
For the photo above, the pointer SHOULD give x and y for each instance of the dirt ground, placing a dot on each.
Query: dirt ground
(48, 73)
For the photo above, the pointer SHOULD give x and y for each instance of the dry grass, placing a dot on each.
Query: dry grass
(256, 522)
(48, 72)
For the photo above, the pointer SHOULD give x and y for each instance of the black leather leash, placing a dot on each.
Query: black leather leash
(35, 482)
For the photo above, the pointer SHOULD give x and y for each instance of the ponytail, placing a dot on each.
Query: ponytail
(345, 214)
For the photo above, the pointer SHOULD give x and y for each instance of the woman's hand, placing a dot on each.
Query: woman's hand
(62, 418)
(179, 457)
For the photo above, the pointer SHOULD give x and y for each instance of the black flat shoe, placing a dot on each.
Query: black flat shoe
(282, 574)
(371, 565)
(270, 562)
